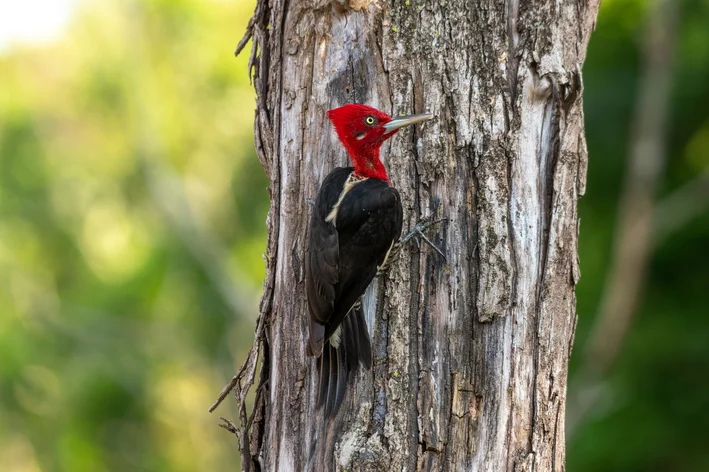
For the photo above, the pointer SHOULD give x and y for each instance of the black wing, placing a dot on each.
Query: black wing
(342, 260)
(369, 220)
(322, 262)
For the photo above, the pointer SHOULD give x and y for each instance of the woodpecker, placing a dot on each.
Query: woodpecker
(355, 223)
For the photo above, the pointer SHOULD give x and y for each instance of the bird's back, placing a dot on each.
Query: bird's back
(354, 224)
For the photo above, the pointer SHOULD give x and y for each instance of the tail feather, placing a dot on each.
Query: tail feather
(324, 371)
(337, 366)
(332, 383)
(343, 379)
(350, 342)
(364, 350)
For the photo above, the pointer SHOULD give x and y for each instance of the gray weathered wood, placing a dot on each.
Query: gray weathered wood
(470, 352)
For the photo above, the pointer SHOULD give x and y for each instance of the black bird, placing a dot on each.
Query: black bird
(355, 223)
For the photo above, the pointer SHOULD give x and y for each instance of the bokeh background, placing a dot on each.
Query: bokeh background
(132, 210)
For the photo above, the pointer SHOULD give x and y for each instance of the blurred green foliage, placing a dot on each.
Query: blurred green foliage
(656, 414)
(129, 188)
(126, 148)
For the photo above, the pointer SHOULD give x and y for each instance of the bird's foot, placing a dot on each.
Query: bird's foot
(309, 201)
(417, 234)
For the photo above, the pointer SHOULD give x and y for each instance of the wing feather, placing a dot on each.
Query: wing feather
(342, 259)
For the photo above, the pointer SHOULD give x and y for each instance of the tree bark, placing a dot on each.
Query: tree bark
(470, 352)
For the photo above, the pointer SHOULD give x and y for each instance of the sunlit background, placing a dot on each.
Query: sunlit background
(132, 210)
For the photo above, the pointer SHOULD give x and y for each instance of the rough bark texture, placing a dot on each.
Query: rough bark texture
(471, 352)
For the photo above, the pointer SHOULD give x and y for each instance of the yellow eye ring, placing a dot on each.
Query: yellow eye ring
(369, 120)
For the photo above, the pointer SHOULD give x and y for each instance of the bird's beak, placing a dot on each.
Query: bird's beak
(402, 121)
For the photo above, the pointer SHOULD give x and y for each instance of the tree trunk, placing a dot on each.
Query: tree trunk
(470, 352)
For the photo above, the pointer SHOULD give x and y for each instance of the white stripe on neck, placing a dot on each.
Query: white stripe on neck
(352, 180)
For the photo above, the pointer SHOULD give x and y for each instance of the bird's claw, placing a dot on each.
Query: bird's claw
(418, 232)
(309, 201)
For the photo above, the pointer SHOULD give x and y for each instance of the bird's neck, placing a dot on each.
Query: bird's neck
(368, 165)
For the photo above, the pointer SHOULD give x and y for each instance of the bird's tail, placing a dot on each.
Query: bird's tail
(340, 358)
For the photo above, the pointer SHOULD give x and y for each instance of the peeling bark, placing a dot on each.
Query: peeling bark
(470, 353)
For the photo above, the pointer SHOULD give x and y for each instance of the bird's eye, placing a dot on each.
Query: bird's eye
(370, 120)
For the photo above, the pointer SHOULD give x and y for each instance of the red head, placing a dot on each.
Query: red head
(362, 130)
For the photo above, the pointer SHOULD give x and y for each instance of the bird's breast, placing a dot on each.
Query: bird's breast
(350, 183)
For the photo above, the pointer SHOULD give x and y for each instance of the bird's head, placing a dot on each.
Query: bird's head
(362, 130)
